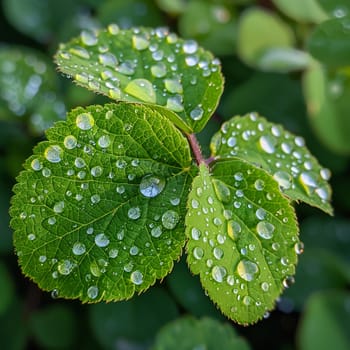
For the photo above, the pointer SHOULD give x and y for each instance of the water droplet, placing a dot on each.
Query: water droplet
(113, 29)
(88, 38)
(58, 207)
(159, 70)
(194, 203)
(85, 121)
(128, 267)
(95, 198)
(217, 221)
(101, 240)
(233, 229)
(42, 258)
(96, 171)
(198, 253)
(54, 294)
(175, 201)
(190, 46)
(170, 219)
(299, 141)
(92, 292)
(260, 213)
(51, 221)
(127, 68)
(299, 248)
(113, 253)
(197, 113)
(238, 176)
(288, 281)
(195, 233)
(151, 186)
(140, 42)
(156, 231)
(109, 60)
(267, 143)
(174, 103)
(36, 164)
(141, 89)
(284, 179)
(173, 85)
(80, 52)
(265, 286)
(259, 184)
(218, 253)
(247, 300)
(218, 273)
(247, 270)
(193, 60)
(222, 191)
(78, 248)
(232, 141)
(104, 141)
(265, 229)
(308, 180)
(65, 267)
(134, 213)
(53, 153)
(325, 174)
(136, 277)
(70, 142)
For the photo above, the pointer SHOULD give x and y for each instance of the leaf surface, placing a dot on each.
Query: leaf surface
(280, 153)
(149, 66)
(98, 213)
(242, 235)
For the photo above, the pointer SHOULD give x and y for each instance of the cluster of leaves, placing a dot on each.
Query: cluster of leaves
(107, 204)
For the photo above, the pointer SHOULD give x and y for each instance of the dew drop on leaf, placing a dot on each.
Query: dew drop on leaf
(156, 231)
(104, 141)
(267, 143)
(140, 42)
(173, 85)
(78, 248)
(151, 186)
(198, 253)
(265, 229)
(70, 142)
(170, 219)
(247, 270)
(218, 273)
(197, 113)
(92, 292)
(85, 121)
(136, 277)
(284, 179)
(101, 240)
(36, 164)
(59, 207)
(53, 153)
(141, 89)
(233, 229)
(134, 213)
(222, 191)
(65, 267)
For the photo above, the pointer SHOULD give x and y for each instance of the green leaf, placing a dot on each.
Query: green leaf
(149, 66)
(132, 323)
(212, 25)
(280, 153)
(330, 42)
(188, 333)
(54, 327)
(325, 324)
(327, 96)
(302, 10)
(242, 236)
(266, 42)
(98, 213)
(27, 88)
(336, 8)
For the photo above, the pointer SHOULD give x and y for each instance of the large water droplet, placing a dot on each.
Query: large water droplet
(88, 38)
(136, 277)
(36, 164)
(284, 179)
(53, 153)
(222, 191)
(265, 229)
(197, 113)
(70, 142)
(109, 60)
(58, 207)
(233, 229)
(308, 180)
(259, 184)
(140, 42)
(141, 89)
(151, 186)
(92, 292)
(247, 270)
(65, 267)
(288, 281)
(170, 219)
(101, 240)
(260, 213)
(198, 253)
(134, 213)
(218, 273)
(174, 103)
(156, 231)
(195, 233)
(190, 46)
(104, 141)
(325, 174)
(299, 248)
(174, 86)
(96, 171)
(85, 121)
(159, 70)
(78, 248)
(218, 253)
(267, 143)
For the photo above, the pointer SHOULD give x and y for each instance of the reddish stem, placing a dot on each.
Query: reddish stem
(196, 149)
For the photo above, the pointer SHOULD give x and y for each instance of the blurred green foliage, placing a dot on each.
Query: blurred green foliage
(287, 60)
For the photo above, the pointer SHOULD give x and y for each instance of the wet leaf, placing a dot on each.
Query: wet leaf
(242, 234)
(280, 153)
(99, 211)
(188, 333)
(149, 66)
(335, 8)
(330, 42)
